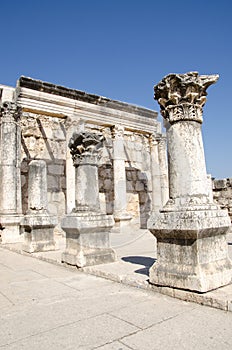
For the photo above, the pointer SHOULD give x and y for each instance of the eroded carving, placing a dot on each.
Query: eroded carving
(85, 144)
(182, 96)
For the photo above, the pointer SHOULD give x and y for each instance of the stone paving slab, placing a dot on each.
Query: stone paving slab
(136, 252)
(79, 311)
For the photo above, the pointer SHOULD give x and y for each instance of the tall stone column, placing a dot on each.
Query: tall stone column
(155, 174)
(38, 225)
(190, 229)
(121, 216)
(87, 228)
(10, 180)
(162, 151)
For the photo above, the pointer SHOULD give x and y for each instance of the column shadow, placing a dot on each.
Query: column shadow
(145, 261)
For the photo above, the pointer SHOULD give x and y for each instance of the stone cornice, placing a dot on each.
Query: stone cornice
(78, 95)
(45, 103)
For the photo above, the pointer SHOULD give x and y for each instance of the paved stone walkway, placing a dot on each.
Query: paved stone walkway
(45, 306)
(136, 252)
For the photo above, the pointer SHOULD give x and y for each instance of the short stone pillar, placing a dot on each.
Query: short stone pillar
(10, 180)
(38, 225)
(87, 228)
(190, 229)
(121, 216)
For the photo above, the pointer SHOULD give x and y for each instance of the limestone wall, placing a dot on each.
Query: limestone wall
(222, 193)
(44, 137)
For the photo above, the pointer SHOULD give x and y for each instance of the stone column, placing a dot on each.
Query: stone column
(10, 178)
(191, 228)
(121, 216)
(155, 174)
(87, 228)
(162, 151)
(38, 225)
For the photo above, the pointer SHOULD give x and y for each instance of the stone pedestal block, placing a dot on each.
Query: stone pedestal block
(10, 229)
(191, 249)
(87, 239)
(38, 233)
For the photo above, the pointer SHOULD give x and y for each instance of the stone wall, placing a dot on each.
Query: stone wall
(222, 193)
(44, 137)
(138, 176)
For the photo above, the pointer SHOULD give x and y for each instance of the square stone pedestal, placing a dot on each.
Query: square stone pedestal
(10, 229)
(192, 251)
(38, 233)
(87, 239)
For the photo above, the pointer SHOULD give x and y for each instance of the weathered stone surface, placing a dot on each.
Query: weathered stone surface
(37, 224)
(48, 119)
(87, 229)
(191, 228)
(87, 239)
(120, 200)
(10, 181)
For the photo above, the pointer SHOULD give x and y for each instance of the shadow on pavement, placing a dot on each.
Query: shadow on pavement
(147, 262)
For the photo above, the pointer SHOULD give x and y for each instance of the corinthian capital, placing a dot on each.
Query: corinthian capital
(85, 145)
(9, 111)
(182, 96)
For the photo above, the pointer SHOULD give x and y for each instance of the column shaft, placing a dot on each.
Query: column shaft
(120, 199)
(155, 175)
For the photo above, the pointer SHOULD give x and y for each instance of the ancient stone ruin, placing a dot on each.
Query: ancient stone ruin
(69, 158)
(81, 166)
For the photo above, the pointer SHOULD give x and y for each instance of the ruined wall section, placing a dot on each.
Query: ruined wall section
(222, 193)
(138, 175)
(44, 138)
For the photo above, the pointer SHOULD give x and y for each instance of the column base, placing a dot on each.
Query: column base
(87, 239)
(10, 229)
(122, 221)
(38, 233)
(192, 251)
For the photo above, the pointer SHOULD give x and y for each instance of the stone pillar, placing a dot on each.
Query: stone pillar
(191, 228)
(121, 216)
(162, 151)
(155, 174)
(38, 225)
(10, 178)
(87, 228)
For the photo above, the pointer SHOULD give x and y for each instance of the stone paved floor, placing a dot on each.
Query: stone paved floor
(47, 306)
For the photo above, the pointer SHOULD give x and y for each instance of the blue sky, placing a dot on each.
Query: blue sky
(122, 48)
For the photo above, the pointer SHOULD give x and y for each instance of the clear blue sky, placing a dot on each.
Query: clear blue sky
(121, 48)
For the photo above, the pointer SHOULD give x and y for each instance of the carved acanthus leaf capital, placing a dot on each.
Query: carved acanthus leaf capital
(182, 96)
(9, 110)
(85, 145)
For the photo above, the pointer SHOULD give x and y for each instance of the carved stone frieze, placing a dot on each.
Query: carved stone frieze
(85, 145)
(182, 96)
